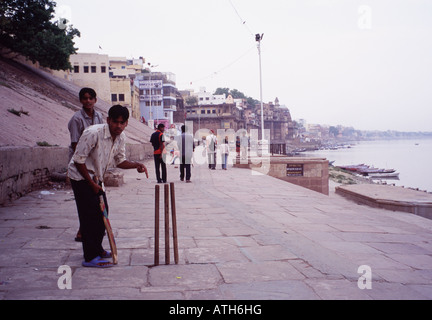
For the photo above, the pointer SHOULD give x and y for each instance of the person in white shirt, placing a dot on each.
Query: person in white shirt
(225, 150)
(80, 121)
(100, 147)
(186, 148)
(211, 146)
(244, 144)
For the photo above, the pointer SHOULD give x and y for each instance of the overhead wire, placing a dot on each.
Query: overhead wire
(243, 22)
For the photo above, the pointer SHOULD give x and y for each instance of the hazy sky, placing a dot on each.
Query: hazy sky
(366, 64)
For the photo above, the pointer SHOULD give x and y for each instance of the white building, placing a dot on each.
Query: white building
(205, 97)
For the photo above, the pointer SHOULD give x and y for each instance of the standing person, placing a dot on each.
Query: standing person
(211, 143)
(99, 147)
(238, 146)
(81, 120)
(185, 143)
(224, 153)
(244, 143)
(158, 141)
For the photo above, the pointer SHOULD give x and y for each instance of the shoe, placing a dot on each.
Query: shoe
(97, 263)
(188, 181)
(181, 179)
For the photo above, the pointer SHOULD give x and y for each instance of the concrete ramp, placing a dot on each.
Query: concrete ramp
(389, 197)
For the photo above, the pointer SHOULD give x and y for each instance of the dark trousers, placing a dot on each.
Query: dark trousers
(212, 160)
(90, 218)
(185, 167)
(159, 163)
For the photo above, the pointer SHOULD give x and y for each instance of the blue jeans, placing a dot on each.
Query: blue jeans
(224, 160)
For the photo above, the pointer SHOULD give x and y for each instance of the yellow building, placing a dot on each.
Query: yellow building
(91, 70)
(122, 74)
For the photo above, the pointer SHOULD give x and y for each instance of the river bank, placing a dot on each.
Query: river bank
(341, 176)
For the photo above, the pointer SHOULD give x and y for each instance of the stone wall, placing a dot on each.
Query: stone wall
(24, 169)
(311, 173)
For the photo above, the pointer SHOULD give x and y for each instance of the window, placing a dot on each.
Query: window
(121, 97)
(214, 111)
(103, 69)
(86, 69)
(93, 69)
(76, 69)
(208, 111)
(202, 111)
(114, 97)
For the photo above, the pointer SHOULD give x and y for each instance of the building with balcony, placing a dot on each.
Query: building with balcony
(156, 95)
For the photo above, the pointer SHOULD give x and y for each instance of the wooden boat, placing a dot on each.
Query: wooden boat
(369, 171)
(354, 167)
(390, 175)
(366, 170)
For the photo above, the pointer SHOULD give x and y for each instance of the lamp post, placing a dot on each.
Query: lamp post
(151, 120)
(258, 38)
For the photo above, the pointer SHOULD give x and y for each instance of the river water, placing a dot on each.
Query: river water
(411, 158)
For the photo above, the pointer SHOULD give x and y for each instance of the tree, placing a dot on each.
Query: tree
(222, 91)
(192, 100)
(334, 131)
(237, 95)
(26, 28)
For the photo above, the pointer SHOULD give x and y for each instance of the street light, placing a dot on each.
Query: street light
(151, 120)
(258, 38)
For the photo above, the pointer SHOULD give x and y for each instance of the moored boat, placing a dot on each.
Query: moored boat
(390, 175)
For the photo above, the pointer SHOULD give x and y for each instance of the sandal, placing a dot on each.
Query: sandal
(97, 263)
(106, 254)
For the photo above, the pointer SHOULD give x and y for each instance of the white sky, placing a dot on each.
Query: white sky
(366, 64)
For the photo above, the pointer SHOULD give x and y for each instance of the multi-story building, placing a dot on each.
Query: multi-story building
(207, 98)
(157, 96)
(89, 70)
(122, 73)
(234, 115)
(213, 117)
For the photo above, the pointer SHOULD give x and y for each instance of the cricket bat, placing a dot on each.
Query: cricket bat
(108, 229)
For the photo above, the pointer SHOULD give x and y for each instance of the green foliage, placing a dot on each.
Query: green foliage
(237, 95)
(26, 28)
(192, 100)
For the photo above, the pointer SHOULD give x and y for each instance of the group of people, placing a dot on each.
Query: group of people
(185, 147)
(211, 147)
(96, 146)
(182, 147)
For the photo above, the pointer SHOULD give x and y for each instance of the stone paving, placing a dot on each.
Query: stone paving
(241, 236)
